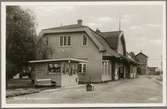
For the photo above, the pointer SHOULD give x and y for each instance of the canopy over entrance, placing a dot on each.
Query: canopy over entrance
(59, 60)
(62, 71)
(121, 58)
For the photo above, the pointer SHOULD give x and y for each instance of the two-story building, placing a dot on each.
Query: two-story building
(142, 60)
(75, 53)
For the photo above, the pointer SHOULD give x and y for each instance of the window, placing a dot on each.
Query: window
(69, 40)
(82, 68)
(57, 68)
(73, 69)
(103, 67)
(84, 40)
(67, 68)
(46, 40)
(61, 40)
(65, 40)
(79, 67)
(54, 68)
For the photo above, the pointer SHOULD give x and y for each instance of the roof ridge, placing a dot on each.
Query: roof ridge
(104, 40)
(110, 31)
(64, 26)
(142, 54)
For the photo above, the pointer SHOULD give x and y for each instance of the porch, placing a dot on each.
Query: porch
(63, 72)
(121, 67)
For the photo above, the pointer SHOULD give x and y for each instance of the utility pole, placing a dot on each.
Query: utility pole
(119, 24)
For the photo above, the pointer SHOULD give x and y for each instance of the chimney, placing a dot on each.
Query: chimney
(79, 21)
(97, 30)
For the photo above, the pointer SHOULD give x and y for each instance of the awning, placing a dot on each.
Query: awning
(129, 60)
(59, 60)
(120, 58)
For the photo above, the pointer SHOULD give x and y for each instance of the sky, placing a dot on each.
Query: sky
(142, 24)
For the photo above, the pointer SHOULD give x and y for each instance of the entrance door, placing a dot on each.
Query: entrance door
(121, 72)
(69, 74)
(113, 71)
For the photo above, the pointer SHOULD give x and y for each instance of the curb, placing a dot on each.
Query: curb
(62, 88)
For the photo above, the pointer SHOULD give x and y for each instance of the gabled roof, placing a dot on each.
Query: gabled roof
(112, 38)
(100, 39)
(131, 58)
(66, 27)
(140, 53)
(74, 28)
(109, 50)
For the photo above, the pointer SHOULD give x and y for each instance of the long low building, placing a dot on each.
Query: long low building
(75, 54)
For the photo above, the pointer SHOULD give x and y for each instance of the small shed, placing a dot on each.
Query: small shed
(62, 72)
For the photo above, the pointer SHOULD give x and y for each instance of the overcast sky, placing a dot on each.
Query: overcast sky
(141, 24)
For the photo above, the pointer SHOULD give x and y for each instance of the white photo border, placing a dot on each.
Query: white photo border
(3, 54)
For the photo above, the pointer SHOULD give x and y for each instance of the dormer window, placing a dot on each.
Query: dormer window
(65, 40)
(84, 40)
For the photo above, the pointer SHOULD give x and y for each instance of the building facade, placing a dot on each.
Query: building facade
(98, 56)
(142, 59)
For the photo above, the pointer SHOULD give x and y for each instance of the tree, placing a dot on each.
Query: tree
(20, 39)
(43, 50)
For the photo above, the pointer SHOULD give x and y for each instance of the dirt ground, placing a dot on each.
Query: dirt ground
(139, 90)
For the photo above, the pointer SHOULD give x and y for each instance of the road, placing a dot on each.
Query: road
(139, 90)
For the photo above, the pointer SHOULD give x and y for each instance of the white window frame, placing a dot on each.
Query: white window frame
(82, 66)
(67, 43)
(84, 40)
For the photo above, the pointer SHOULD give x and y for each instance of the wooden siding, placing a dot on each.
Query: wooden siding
(40, 71)
(78, 50)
